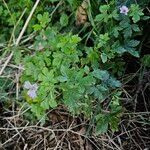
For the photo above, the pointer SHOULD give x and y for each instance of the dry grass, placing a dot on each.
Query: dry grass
(64, 132)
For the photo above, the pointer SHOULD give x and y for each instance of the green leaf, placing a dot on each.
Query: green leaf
(43, 19)
(92, 56)
(104, 57)
(98, 94)
(45, 71)
(87, 81)
(86, 69)
(1, 10)
(115, 31)
(103, 39)
(101, 128)
(102, 88)
(18, 56)
(37, 110)
(39, 17)
(62, 78)
(136, 18)
(102, 124)
(53, 103)
(115, 15)
(133, 52)
(104, 8)
(37, 27)
(127, 32)
(146, 18)
(45, 104)
(75, 39)
(114, 123)
(133, 43)
(125, 23)
(64, 20)
(135, 13)
(136, 28)
(120, 50)
(146, 60)
(64, 70)
(114, 83)
(101, 74)
(99, 17)
(58, 56)
(104, 16)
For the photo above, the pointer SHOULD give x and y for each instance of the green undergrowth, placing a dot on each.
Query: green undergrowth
(79, 66)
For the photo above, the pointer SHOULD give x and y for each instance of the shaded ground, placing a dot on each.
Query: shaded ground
(64, 132)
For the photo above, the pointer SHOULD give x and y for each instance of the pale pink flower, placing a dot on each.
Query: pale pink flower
(124, 10)
(32, 88)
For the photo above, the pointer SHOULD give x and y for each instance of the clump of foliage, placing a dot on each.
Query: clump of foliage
(69, 71)
(64, 75)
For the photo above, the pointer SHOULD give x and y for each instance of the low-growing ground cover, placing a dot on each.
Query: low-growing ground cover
(74, 74)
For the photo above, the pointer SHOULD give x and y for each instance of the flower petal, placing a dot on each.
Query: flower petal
(34, 87)
(124, 10)
(27, 85)
(32, 94)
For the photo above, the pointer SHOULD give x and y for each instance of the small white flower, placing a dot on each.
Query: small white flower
(124, 10)
(32, 88)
